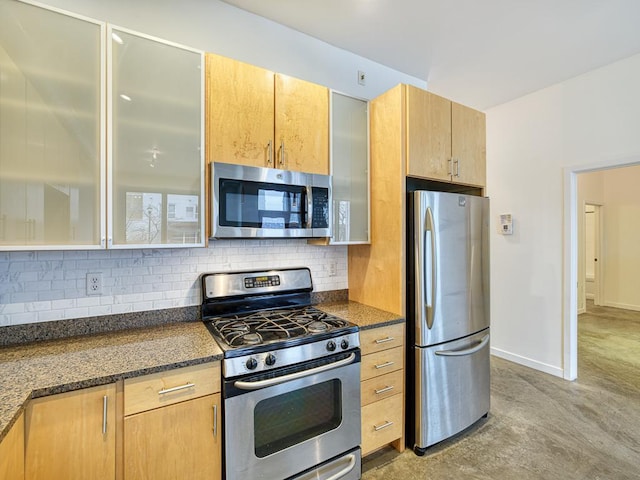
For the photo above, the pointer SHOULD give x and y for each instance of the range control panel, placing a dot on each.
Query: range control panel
(263, 281)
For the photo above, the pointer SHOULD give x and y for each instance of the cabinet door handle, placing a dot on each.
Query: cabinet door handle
(450, 173)
(383, 390)
(175, 389)
(215, 420)
(270, 153)
(385, 364)
(105, 403)
(457, 164)
(384, 425)
(282, 153)
(384, 340)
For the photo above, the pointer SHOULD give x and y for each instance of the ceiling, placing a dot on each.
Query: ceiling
(480, 53)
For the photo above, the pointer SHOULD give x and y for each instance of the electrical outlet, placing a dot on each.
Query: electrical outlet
(362, 78)
(333, 269)
(94, 283)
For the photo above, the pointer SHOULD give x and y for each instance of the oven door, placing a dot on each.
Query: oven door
(275, 429)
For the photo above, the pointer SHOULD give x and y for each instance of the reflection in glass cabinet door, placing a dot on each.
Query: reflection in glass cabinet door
(156, 160)
(51, 129)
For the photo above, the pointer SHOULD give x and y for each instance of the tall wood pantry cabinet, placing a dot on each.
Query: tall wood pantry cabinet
(260, 118)
(414, 133)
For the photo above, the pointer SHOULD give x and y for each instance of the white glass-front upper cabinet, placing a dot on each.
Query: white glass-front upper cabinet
(52, 102)
(155, 142)
(350, 169)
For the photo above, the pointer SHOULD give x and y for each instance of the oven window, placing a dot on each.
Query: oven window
(292, 418)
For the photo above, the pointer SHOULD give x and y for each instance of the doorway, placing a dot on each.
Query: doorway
(575, 252)
(591, 278)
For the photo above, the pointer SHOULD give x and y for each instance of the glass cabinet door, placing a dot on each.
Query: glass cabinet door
(51, 129)
(156, 161)
(350, 169)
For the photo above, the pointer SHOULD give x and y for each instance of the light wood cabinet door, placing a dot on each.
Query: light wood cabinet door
(12, 453)
(469, 145)
(178, 441)
(381, 423)
(72, 435)
(239, 112)
(301, 125)
(428, 135)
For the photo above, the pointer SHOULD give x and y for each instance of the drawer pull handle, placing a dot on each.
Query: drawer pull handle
(385, 389)
(384, 340)
(385, 364)
(175, 389)
(384, 425)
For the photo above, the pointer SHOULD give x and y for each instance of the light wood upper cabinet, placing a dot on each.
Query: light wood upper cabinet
(72, 435)
(445, 140)
(239, 112)
(260, 118)
(469, 145)
(301, 125)
(177, 441)
(12, 452)
(428, 135)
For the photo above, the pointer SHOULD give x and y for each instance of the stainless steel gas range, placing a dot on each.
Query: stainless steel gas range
(291, 378)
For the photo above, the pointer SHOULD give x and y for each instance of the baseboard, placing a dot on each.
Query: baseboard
(624, 306)
(528, 362)
(590, 296)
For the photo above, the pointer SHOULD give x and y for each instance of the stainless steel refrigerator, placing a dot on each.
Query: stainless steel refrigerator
(447, 315)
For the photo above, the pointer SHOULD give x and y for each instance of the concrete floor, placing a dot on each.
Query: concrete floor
(543, 427)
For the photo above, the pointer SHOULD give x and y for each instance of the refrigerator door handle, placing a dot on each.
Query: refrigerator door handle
(430, 273)
(467, 351)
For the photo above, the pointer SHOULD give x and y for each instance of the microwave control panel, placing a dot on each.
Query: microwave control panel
(320, 208)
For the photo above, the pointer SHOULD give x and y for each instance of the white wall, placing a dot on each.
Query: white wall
(43, 286)
(586, 122)
(214, 26)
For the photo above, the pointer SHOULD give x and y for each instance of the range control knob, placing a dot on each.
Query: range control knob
(270, 360)
(331, 345)
(251, 363)
(344, 344)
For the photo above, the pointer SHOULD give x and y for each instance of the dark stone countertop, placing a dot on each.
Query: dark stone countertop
(46, 368)
(43, 368)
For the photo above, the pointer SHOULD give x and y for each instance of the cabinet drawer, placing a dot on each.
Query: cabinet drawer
(380, 363)
(384, 386)
(381, 423)
(173, 386)
(383, 338)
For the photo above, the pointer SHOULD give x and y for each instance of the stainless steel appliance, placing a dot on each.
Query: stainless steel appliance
(254, 202)
(291, 378)
(447, 315)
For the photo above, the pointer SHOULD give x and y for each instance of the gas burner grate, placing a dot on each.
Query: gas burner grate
(271, 325)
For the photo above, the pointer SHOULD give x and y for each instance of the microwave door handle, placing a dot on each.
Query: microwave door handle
(309, 206)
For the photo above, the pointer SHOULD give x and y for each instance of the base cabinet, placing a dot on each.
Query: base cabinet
(172, 425)
(178, 441)
(72, 435)
(382, 387)
(12, 453)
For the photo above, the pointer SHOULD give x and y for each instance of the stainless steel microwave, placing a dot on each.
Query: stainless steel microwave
(254, 202)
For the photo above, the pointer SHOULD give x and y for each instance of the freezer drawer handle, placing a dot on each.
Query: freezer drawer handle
(175, 389)
(468, 351)
(383, 390)
(384, 425)
(384, 340)
(385, 364)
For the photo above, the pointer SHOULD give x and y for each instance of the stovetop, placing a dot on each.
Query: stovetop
(264, 320)
(267, 327)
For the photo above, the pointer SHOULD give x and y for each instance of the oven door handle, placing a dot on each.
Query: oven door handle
(293, 376)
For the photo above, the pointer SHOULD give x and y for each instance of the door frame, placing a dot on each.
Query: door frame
(570, 259)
